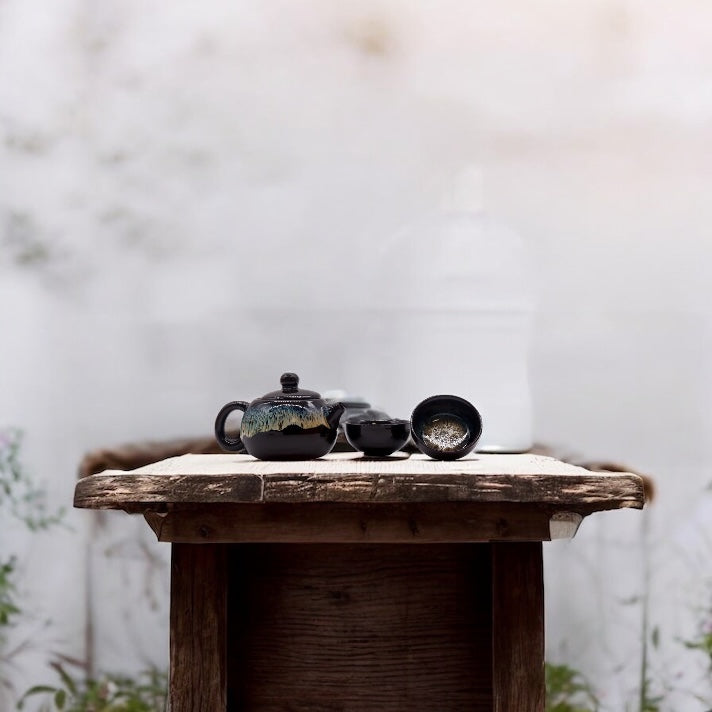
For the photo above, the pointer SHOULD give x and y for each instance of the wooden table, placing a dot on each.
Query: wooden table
(357, 584)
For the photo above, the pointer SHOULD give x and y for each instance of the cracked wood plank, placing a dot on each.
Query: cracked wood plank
(347, 477)
(212, 479)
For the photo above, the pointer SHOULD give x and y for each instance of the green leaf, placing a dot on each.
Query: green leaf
(39, 689)
(66, 678)
(60, 698)
(567, 690)
(36, 690)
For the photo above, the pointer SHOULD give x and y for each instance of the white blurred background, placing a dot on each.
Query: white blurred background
(197, 197)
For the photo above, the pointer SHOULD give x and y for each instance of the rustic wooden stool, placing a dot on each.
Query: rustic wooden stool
(357, 584)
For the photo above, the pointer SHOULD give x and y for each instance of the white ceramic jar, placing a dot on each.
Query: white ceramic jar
(452, 314)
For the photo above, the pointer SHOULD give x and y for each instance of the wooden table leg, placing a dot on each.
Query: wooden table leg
(518, 627)
(198, 636)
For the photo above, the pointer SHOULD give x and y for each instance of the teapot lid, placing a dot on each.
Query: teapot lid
(290, 390)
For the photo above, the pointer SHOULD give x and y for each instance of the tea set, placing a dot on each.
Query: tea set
(297, 424)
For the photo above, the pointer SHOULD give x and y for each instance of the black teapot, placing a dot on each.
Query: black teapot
(291, 424)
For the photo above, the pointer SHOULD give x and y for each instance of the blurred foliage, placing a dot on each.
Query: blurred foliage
(110, 693)
(22, 500)
(20, 496)
(649, 702)
(567, 690)
(8, 607)
(703, 640)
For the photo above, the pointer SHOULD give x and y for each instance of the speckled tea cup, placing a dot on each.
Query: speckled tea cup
(446, 427)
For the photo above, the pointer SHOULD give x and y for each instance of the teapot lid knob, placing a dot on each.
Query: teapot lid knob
(290, 391)
(290, 382)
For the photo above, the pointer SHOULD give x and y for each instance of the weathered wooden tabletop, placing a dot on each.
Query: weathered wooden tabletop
(238, 498)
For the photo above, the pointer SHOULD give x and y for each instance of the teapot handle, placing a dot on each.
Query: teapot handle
(228, 443)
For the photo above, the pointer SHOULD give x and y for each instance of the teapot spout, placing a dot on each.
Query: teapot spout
(333, 410)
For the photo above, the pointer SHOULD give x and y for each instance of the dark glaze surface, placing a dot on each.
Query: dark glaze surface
(292, 443)
(377, 438)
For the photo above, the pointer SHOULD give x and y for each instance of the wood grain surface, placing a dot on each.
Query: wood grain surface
(360, 628)
(198, 636)
(207, 479)
(353, 523)
(518, 627)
